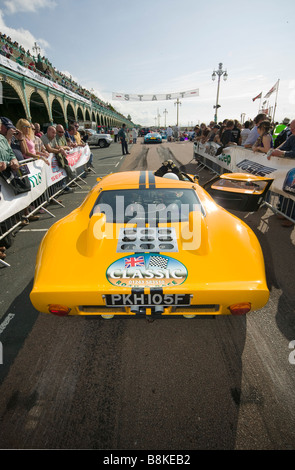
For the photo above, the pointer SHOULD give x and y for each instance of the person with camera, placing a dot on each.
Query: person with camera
(7, 156)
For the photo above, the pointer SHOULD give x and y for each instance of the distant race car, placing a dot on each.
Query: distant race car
(143, 131)
(153, 137)
(155, 244)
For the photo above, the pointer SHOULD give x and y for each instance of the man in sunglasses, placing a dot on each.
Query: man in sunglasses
(61, 141)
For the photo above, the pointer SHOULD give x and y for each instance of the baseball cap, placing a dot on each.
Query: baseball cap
(7, 123)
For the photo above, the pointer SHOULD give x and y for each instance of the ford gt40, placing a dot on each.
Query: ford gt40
(153, 138)
(155, 244)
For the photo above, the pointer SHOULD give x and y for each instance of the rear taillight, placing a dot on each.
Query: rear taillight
(240, 309)
(59, 310)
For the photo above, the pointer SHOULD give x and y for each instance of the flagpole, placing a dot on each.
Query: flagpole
(275, 106)
(259, 109)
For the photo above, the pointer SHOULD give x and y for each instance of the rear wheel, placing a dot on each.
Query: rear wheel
(102, 143)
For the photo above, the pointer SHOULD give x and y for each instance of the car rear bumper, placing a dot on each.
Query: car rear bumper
(206, 302)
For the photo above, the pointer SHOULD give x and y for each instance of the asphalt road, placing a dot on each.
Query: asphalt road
(88, 383)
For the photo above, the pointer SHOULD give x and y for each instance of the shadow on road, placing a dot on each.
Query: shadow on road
(22, 316)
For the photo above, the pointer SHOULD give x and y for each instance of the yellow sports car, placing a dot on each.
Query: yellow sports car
(155, 244)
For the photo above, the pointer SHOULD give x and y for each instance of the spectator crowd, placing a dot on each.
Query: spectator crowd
(41, 65)
(25, 140)
(258, 135)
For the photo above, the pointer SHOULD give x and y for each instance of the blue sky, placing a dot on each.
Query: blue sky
(166, 46)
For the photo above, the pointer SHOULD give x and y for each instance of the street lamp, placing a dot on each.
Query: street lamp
(159, 117)
(165, 112)
(36, 49)
(219, 72)
(177, 103)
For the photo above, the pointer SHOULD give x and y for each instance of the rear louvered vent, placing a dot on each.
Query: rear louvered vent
(151, 239)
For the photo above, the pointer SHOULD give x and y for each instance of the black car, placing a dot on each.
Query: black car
(143, 131)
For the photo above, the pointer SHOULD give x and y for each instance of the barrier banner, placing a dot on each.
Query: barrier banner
(240, 160)
(76, 158)
(41, 176)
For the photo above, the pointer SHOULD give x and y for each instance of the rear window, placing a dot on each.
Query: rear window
(147, 205)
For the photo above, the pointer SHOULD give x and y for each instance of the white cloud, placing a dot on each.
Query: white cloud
(23, 36)
(17, 6)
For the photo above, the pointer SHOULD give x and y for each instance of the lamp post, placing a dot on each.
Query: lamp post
(36, 49)
(165, 112)
(219, 72)
(159, 117)
(177, 103)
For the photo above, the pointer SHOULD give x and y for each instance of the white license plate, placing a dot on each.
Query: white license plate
(146, 300)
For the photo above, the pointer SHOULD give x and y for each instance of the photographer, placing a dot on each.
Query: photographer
(7, 156)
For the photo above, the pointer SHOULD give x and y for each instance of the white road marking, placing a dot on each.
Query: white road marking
(5, 322)
(33, 230)
(106, 164)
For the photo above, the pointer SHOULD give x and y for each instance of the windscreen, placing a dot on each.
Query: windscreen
(147, 205)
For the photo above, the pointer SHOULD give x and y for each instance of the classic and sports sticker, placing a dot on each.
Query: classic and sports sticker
(146, 270)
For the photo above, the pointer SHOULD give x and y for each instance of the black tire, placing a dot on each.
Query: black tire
(101, 143)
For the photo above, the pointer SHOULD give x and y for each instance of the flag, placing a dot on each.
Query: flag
(158, 261)
(258, 96)
(134, 261)
(274, 88)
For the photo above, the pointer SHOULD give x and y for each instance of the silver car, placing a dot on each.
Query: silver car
(102, 140)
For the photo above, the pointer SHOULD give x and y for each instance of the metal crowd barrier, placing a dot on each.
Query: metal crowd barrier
(10, 225)
(278, 203)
